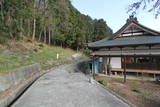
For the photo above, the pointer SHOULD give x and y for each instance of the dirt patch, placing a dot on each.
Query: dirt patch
(140, 93)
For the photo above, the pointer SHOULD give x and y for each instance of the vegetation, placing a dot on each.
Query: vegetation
(27, 25)
(141, 93)
(55, 22)
(104, 82)
(149, 5)
(26, 53)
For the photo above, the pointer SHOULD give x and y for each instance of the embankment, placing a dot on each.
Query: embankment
(14, 83)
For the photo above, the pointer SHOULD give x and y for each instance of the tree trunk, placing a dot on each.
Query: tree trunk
(21, 25)
(45, 35)
(1, 4)
(34, 29)
(29, 27)
(9, 24)
(34, 23)
(77, 48)
(40, 35)
(52, 33)
(61, 45)
(49, 37)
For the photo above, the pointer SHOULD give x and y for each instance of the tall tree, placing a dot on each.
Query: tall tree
(101, 30)
(55, 22)
(34, 20)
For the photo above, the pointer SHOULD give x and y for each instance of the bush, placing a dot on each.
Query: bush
(41, 45)
(136, 90)
(3, 39)
(104, 82)
(87, 52)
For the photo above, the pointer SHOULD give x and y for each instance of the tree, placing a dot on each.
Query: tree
(101, 30)
(149, 5)
(54, 22)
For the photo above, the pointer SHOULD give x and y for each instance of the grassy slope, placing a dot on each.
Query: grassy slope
(16, 54)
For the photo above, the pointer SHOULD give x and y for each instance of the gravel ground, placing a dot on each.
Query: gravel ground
(64, 88)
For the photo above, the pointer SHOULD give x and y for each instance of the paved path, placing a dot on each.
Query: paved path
(61, 88)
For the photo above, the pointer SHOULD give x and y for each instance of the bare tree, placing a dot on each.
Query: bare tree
(149, 5)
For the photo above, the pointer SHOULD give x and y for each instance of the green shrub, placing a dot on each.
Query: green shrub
(104, 82)
(87, 52)
(136, 90)
(41, 45)
(3, 39)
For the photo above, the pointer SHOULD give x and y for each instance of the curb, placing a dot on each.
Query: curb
(115, 94)
(14, 93)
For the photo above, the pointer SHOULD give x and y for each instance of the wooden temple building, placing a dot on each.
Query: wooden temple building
(133, 48)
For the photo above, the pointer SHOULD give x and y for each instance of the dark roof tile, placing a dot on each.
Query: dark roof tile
(128, 41)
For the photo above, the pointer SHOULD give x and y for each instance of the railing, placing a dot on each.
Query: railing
(144, 66)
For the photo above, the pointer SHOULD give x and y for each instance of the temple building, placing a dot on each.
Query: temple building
(133, 48)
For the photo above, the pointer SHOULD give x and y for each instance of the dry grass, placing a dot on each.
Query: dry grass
(15, 54)
(140, 93)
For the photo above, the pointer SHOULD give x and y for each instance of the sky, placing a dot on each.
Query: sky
(114, 12)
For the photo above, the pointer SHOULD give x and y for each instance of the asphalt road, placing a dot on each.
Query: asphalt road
(64, 88)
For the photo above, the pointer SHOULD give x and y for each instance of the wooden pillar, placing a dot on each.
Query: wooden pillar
(122, 64)
(93, 72)
(142, 75)
(124, 69)
(121, 61)
(142, 70)
(105, 64)
(135, 61)
(109, 66)
(154, 76)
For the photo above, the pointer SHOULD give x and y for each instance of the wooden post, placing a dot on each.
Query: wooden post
(109, 67)
(154, 76)
(105, 64)
(93, 72)
(122, 65)
(142, 75)
(124, 69)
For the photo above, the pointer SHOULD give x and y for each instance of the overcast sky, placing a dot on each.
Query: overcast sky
(114, 12)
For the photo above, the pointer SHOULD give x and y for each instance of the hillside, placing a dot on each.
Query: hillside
(34, 31)
(54, 22)
(17, 54)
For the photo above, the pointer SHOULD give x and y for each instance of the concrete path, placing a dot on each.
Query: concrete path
(63, 88)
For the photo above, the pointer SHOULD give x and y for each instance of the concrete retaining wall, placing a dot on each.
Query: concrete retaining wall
(14, 77)
(15, 82)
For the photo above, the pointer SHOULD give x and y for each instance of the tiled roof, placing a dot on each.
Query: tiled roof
(153, 37)
(128, 41)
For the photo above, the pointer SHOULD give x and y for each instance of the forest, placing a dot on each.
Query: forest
(54, 22)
